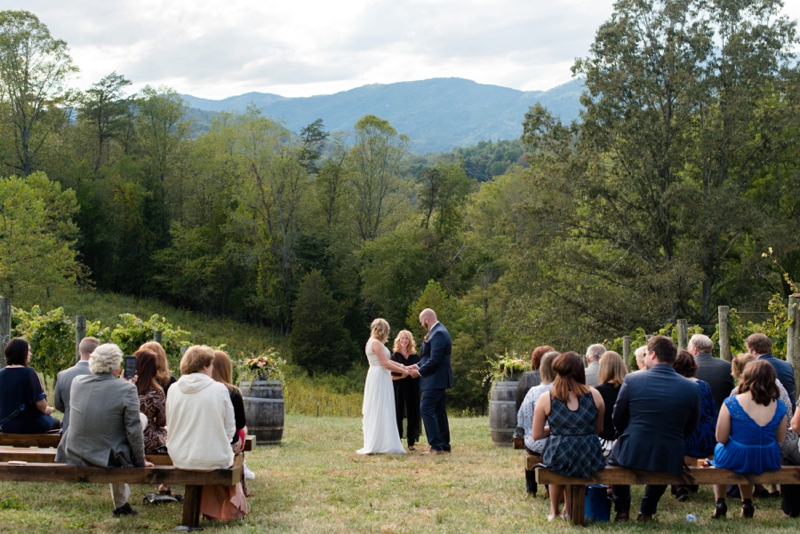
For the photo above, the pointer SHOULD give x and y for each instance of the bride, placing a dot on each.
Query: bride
(379, 425)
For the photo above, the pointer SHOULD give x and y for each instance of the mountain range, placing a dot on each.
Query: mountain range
(437, 115)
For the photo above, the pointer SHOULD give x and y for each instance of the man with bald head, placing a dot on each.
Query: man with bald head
(436, 376)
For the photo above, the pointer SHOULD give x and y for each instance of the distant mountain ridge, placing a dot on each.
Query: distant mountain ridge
(437, 114)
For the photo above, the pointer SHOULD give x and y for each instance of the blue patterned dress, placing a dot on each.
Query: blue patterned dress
(701, 442)
(573, 449)
(751, 448)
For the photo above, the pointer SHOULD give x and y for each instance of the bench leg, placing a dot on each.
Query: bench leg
(191, 506)
(578, 494)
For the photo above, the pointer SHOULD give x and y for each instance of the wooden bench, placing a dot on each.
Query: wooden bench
(193, 480)
(44, 456)
(52, 439)
(700, 476)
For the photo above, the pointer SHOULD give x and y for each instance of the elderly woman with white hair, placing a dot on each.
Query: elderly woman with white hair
(105, 429)
(640, 354)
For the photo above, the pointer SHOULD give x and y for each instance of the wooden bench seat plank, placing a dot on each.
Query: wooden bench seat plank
(692, 476)
(52, 472)
(30, 440)
(44, 456)
(249, 443)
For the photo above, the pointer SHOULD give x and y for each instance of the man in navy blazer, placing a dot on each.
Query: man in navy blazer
(436, 377)
(760, 346)
(655, 409)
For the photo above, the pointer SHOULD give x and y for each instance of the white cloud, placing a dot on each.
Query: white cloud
(218, 48)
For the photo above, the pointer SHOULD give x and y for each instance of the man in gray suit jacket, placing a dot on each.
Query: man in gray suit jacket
(105, 428)
(65, 377)
(593, 354)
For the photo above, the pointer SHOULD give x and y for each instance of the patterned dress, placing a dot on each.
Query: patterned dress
(152, 404)
(573, 448)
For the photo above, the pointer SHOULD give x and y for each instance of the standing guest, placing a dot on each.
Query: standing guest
(760, 346)
(105, 428)
(201, 429)
(65, 377)
(716, 372)
(640, 354)
(701, 442)
(610, 374)
(152, 401)
(406, 388)
(525, 415)
(437, 378)
(593, 354)
(163, 375)
(23, 402)
(574, 413)
(750, 427)
(654, 413)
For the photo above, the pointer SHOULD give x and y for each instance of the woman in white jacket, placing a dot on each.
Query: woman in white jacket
(201, 426)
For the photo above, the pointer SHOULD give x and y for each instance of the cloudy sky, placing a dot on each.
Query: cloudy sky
(216, 48)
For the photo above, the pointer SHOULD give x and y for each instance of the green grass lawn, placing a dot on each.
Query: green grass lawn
(315, 482)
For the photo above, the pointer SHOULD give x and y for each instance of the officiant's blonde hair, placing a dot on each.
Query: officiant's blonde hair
(380, 330)
(412, 346)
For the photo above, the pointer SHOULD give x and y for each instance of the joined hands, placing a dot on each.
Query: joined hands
(413, 370)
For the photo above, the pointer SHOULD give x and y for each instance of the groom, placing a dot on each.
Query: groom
(437, 377)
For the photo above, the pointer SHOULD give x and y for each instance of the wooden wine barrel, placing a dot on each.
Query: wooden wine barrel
(503, 411)
(263, 408)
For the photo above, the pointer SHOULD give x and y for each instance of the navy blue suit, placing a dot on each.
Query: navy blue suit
(436, 376)
(655, 410)
(784, 371)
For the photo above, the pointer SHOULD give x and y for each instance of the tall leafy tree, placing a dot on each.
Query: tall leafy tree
(106, 109)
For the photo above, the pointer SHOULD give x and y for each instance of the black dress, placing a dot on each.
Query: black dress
(406, 400)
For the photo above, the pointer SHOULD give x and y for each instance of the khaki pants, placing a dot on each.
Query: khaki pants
(120, 493)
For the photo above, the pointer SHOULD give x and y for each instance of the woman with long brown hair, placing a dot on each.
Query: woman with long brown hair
(163, 374)
(574, 413)
(152, 401)
(223, 372)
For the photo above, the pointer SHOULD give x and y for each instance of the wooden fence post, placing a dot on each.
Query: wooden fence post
(5, 326)
(724, 338)
(183, 350)
(683, 334)
(80, 333)
(626, 349)
(793, 337)
(157, 336)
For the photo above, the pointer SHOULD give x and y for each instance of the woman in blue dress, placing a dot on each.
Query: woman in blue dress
(574, 413)
(23, 402)
(749, 429)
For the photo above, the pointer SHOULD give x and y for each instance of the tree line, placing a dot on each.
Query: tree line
(657, 204)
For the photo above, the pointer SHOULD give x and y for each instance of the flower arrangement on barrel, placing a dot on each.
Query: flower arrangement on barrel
(506, 367)
(266, 366)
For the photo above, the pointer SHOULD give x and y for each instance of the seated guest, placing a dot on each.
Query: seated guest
(163, 375)
(716, 372)
(223, 373)
(593, 354)
(655, 411)
(760, 346)
(749, 429)
(104, 429)
(202, 426)
(610, 374)
(789, 443)
(65, 377)
(23, 402)
(525, 414)
(152, 401)
(530, 379)
(701, 442)
(574, 413)
(639, 354)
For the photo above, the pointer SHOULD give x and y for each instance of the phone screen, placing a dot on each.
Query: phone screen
(130, 367)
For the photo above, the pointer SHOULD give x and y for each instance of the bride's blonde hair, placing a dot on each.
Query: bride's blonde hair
(412, 347)
(380, 329)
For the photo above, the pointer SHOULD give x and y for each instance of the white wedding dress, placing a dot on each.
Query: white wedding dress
(380, 422)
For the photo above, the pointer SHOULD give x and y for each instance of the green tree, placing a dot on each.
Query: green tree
(107, 111)
(319, 341)
(34, 71)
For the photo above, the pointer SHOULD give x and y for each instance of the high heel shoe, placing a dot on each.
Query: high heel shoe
(747, 508)
(720, 509)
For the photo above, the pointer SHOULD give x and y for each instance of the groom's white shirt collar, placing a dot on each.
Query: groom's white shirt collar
(434, 326)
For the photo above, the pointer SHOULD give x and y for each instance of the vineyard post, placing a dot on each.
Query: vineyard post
(80, 333)
(5, 326)
(683, 334)
(724, 339)
(626, 349)
(793, 337)
(157, 336)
